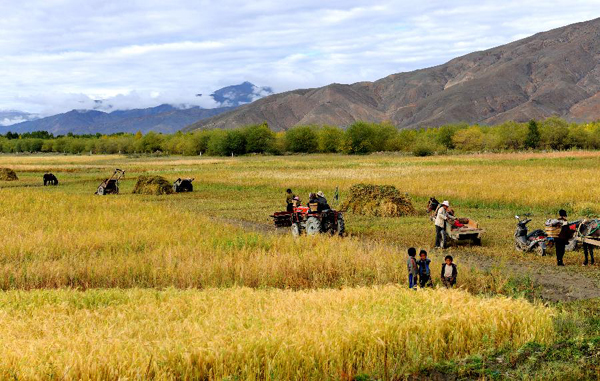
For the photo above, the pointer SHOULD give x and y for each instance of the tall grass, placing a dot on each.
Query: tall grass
(241, 333)
(53, 239)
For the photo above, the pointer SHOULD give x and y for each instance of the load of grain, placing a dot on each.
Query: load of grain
(379, 201)
(7, 174)
(153, 185)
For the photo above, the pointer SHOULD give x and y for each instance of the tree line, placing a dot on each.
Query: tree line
(359, 138)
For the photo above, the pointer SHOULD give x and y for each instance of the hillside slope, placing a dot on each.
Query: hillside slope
(550, 73)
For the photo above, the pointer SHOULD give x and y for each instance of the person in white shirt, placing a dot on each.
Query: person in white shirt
(441, 219)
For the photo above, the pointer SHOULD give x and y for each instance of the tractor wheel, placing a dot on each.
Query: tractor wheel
(313, 226)
(100, 190)
(296, 229)
(341, 228)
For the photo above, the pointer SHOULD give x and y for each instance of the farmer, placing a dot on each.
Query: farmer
(441, 219)
(322, 201)
(289, 199)
(561, 241)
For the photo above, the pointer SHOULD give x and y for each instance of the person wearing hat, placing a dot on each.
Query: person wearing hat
(561, 241)
(441, 219)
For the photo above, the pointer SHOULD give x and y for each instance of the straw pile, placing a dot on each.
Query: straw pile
(153, 185)
(7, 174)
(379, 201)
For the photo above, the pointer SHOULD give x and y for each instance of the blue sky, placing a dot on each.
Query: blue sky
(56, 55)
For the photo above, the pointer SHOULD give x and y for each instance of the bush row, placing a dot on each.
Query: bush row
(359, 138)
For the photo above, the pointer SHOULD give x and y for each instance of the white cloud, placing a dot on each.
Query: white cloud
(56, 55)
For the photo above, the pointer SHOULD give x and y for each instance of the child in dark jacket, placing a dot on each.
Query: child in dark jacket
(411, 264)
(449, 272)
(424, 271)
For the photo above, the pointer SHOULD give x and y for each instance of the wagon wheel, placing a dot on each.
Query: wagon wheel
(341, 225)
(116, 189)
(313, 226)
(476, 241)
(100, 190)
(296, 229)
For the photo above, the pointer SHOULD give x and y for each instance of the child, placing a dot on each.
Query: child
(411, 264)
(449, 272)
(424, 272)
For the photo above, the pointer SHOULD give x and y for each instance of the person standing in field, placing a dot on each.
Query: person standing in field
(441, 219)
(449, 272)
(289, 199)
(561, 241)
(424, 271)
(411, 264)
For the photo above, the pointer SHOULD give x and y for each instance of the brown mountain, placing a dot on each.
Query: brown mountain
(550, 73)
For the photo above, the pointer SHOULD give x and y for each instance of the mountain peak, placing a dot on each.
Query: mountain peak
(236, 95)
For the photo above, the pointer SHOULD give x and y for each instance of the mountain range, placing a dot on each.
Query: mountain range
(163, 118)
(550, 73)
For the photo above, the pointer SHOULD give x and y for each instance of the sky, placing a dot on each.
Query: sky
(58, 55)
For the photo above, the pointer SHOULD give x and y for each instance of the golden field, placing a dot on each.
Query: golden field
(240, 333)
(201, 286)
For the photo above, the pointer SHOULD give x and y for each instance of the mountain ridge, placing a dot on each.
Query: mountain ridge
(164, 118)
(550, 73)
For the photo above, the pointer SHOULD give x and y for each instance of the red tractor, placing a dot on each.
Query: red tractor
(310, 220)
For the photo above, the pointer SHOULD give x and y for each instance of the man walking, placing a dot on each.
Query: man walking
(441, 219)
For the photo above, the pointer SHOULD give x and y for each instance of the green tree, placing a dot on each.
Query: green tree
(532, 141)
(302, 139)
(470, 139)
(330, 139)
(259, 138)
(554, 132)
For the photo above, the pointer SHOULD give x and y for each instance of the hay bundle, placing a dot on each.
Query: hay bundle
(153, 185)
(379, 201)
(7, 174)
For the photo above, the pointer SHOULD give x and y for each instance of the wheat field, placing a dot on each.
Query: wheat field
(200, 285)
(241, 333)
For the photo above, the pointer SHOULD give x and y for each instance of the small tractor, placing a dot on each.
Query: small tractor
(310, 220)
(111, 185)
(183, 185)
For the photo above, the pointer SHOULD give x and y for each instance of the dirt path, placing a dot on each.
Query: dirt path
(557, 284)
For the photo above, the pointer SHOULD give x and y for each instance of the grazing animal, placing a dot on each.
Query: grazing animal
(50, 179)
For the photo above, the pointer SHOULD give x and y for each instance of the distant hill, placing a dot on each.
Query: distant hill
(10, 117)
(164, 118)
(550, 73)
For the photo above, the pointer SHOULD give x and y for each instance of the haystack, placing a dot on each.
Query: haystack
(7, 174)
(153, 185)
(379, 201)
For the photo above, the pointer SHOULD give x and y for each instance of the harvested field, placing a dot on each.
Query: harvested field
(378, 201)
(153, 185)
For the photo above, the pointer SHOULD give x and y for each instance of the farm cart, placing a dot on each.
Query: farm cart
(111, 185)
(282, 219)
(589, 232)
(464, 229)
(183, 185)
